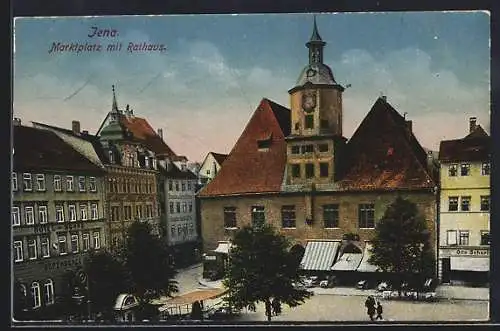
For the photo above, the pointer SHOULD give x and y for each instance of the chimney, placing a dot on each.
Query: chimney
(383, 97)
(16, 121)
(472, 124)
(160, 133)
(409, 125)
(127, 110)
(75, 126)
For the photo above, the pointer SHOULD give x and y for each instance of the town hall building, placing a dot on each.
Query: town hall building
(293, 168)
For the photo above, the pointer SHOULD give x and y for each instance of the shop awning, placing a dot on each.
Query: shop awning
(319, 255)
(462, 263)
(364, 266)
(348, 262)
(223, 247)
(198, 295)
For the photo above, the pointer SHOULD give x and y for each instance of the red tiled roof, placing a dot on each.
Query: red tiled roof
(248, 170)
(383, 154)
(220, 158)
(142, 131)
(476, 146)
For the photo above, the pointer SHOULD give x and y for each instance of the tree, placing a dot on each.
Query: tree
(107, 278)
(147, 259)
(261, 269)
(402, 242)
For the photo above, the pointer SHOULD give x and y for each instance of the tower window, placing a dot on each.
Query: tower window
(295, 149)
(309, 170)
(307, 149)
(323, 169)
(309, 121)
(295, 170)
(323, 147)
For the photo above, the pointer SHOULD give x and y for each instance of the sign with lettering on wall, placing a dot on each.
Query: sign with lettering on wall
(471, 252)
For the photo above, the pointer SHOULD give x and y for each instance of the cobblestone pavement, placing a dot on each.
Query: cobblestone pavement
(328, 308)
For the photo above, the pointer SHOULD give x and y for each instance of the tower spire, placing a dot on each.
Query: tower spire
(114, 107)
(315, 45)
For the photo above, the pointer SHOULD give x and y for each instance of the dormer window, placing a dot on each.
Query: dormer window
(146, 161)
(111, 157)
(264, 143)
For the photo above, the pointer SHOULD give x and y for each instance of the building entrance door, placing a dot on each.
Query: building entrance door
(446, 270)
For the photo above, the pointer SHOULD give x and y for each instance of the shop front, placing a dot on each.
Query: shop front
(467, 266)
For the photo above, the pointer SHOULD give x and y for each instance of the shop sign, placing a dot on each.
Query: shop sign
(63, 264)
(472, 252)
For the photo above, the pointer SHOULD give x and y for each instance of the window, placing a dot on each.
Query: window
(27, 184)
(463, 238)
(184, 207)
(74, 243)
(177, 186)
(208, 172)
(40, 182)
(323, 147)
(230, 217)
(57, 183)
(97, 240)
(485, 169)
(191, 229)
(465, 203)
(452, 170)
(59, 213)
(14, 181)
(45, 246)
(190, 206)
(178, 207)
(307, 149)
(485, 203)
(86, 241)
(92, 184)
(146, 162)
(63, 249)
(81, 184)
(262, 144)
(49, 292)
(171, 207)
(183, 185)
(451, 237)
(309, 170)
(295, 169)
(485, 238)
(258, 216)
(42, 214)
(69, 183)
(16, 217)
(190, 187)
(452, 203)
(309, 121)
(331, 216)
(323, 169)
(94, 214)
(35, 295)
(29, 215)
(295, 149)
(32, 248)
(83, 212)
(288, 216)
(464, 169)
(18, 251)
(72, 213)
(172, 231)
(366, 216)
(111, 157)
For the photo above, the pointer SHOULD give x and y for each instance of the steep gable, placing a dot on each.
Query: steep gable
(383, 154)
(248, 168)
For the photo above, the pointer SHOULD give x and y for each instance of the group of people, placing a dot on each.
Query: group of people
(273, 308)
(373, 307)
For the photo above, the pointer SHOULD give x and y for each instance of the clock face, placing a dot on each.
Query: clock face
(310, 73)
(309, 101)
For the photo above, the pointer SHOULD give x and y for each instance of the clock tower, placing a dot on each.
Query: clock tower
(316, 121)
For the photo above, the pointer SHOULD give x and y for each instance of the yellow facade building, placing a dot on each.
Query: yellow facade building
(464, 224)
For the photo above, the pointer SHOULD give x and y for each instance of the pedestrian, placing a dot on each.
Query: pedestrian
(370, 306)
(379, 311)
(276, 307)
(268, 310)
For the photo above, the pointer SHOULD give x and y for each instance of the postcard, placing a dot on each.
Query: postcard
(308, 167)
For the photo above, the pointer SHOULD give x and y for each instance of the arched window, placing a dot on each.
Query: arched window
(49, 292)
(35, 294)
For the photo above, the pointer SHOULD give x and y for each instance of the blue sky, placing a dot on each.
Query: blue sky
(203, 89)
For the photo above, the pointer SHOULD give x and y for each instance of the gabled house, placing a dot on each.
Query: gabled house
(293, 168)
(210, 166)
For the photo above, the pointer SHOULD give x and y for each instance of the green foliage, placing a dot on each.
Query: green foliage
(261, 268)
(402, 241)
(147, 259)
(108, 278)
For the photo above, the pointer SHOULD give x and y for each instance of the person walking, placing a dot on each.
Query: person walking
(276, 307)
(379, 311)
(370, 306)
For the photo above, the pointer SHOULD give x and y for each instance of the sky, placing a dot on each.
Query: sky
(204, 85)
